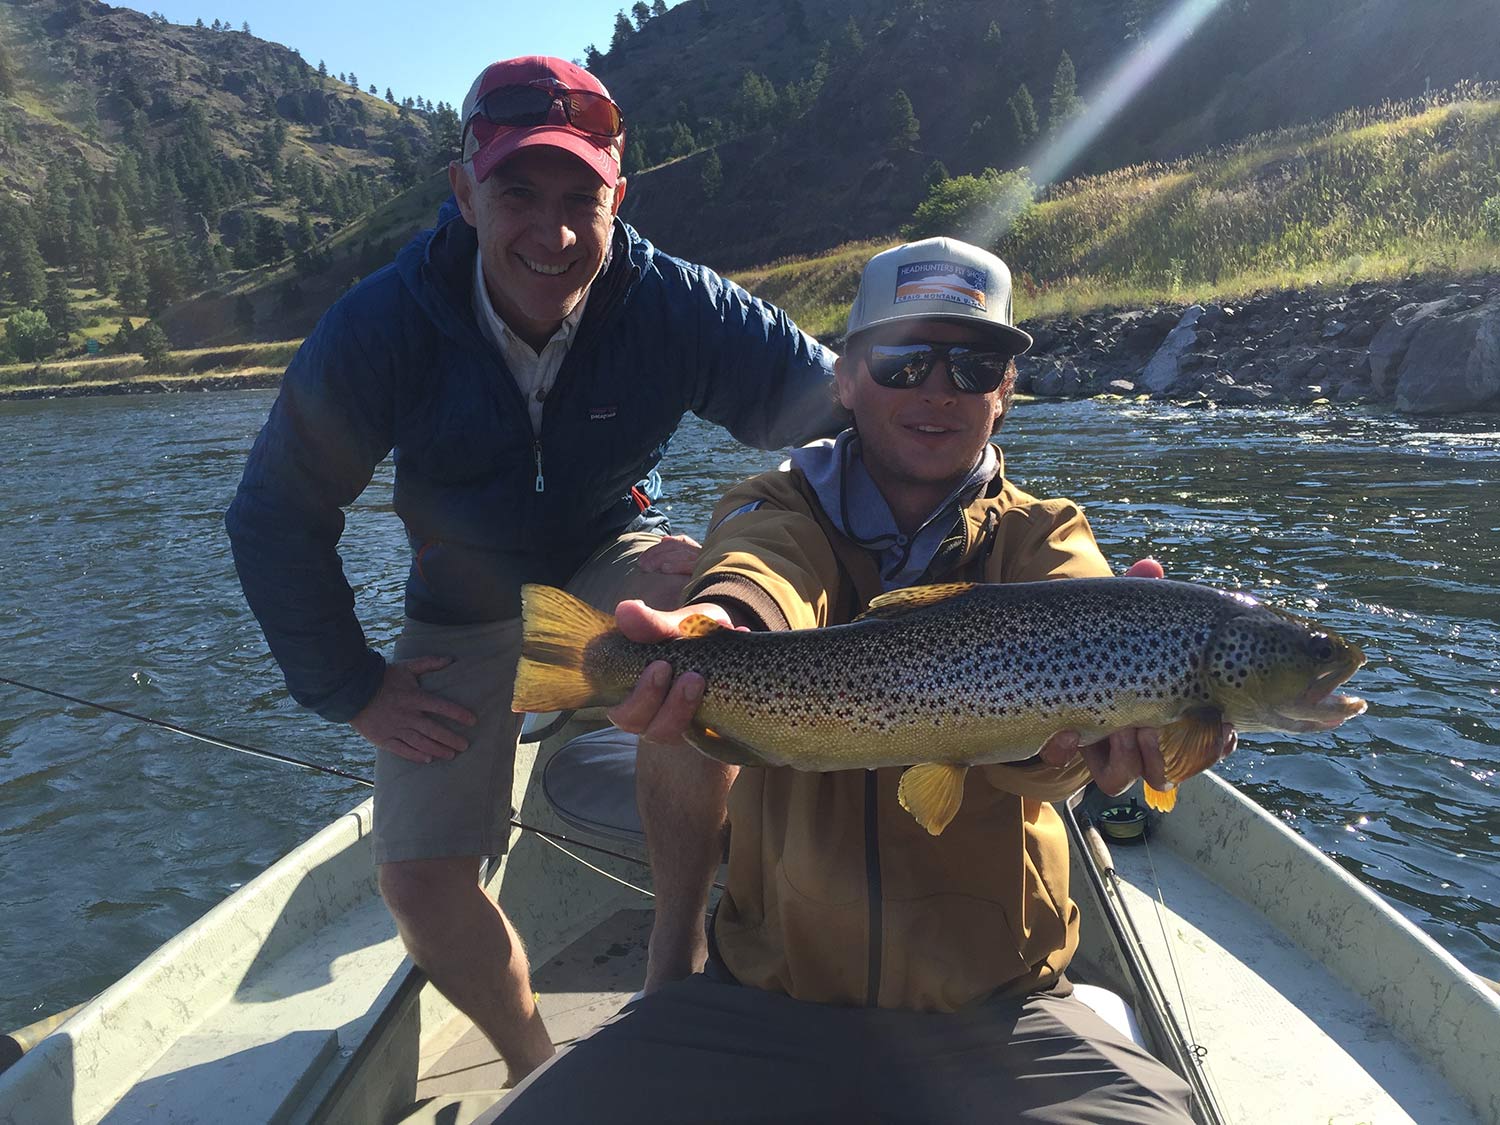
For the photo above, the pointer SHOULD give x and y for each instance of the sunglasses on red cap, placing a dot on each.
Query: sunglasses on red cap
(531, 104)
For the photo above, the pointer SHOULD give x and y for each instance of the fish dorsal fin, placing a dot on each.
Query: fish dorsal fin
(698, 625)
(932, 793)
(898, 602)
(1188, 746)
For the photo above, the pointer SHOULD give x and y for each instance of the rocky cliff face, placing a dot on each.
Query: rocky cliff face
(1424, 347)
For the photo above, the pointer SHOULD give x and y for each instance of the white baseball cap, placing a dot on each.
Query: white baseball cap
(937, 279)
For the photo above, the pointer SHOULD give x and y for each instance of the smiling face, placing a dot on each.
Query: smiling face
(544, 221)
(917, 443)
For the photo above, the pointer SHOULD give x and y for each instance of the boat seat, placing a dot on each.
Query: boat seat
(590, 784)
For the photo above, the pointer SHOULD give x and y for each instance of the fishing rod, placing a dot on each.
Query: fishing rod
(300, 763)
(1185, 1054)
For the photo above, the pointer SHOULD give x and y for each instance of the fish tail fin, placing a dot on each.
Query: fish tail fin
(556, 629)
(1162, 800)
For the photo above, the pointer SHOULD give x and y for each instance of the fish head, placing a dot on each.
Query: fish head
(1269, 670)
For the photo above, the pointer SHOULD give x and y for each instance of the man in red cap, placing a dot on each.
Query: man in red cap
(526, 363)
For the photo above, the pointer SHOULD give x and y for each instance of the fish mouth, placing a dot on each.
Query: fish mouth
(1320, 708)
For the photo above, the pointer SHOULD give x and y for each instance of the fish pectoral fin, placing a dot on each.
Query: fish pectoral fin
(932, 793)
(898, 602)
(722, 748)
(1188, 746)
(698, 625)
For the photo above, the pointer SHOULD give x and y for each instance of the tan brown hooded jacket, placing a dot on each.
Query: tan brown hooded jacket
(835, 893)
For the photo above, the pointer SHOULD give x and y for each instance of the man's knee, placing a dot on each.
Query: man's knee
(419, 889)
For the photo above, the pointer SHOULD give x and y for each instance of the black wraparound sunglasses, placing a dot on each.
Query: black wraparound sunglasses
(974, 370)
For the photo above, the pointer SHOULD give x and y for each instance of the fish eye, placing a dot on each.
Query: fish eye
(1322, 648)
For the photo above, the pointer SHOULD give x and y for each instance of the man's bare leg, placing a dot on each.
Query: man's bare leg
(681, 796)
(467, 947)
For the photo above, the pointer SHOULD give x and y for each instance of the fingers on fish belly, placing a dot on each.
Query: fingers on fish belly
(1188, 746)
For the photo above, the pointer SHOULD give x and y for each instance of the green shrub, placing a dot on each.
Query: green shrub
(29, 334)
(978, 209)
(152, 343)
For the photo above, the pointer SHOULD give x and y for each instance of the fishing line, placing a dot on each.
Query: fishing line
(288, 760)
(1160, 905)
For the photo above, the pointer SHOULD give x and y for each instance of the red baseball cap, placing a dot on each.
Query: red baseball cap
(491, 145)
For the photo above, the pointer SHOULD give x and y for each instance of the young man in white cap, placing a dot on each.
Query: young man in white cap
(526, 362)
(862, 969)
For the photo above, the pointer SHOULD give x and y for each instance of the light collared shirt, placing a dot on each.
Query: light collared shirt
(534, 372)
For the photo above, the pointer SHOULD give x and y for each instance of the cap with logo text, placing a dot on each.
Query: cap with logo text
(937, 279)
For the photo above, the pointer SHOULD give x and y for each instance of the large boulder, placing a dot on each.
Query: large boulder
(1452, 363)
(1166, 366)
(1388, 348)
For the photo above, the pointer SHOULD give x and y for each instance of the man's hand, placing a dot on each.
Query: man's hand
(675, 554)
(1115, 762)
(401, 719)
(657, 709)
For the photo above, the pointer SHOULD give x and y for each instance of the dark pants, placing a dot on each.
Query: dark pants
(704, 1051)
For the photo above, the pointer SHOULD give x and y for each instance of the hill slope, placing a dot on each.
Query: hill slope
(825, 166)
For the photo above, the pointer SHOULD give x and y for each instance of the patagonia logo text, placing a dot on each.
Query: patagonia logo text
(942, 281)
(602, 413)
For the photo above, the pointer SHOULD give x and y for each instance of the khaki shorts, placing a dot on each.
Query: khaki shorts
(462, 807)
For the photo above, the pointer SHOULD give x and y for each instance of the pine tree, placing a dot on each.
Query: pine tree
(592, 58)
(1023, 116)
(58, 305)
(374, 93)
(640, 11)
(152, 344)
(354, 80)
(851, 42)
(245, 27)
(712, 176)
(992, 36)
(7, 74)
(390, 97)
(25, 273)
(658, 8)
(1065, 103)
(905, 128)
(623, 32)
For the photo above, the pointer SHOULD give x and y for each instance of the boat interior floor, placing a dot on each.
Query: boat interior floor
(461, 1076)
(1285, 1039)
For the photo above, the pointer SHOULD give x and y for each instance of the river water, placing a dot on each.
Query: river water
(116, 585)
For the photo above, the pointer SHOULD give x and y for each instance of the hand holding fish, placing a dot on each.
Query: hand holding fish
(1116, 762)
(660, 709)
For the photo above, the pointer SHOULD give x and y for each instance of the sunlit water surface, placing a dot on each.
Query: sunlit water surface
(116, 585)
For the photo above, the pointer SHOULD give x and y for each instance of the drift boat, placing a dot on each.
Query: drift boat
(1282, 988)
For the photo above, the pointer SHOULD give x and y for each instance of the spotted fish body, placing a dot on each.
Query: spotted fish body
(964, 675)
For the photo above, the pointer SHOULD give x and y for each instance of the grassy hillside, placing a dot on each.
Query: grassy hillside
(1407, 188)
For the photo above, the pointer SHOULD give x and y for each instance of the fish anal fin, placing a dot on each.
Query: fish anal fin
(932, 793)
(698, 625)
(1162, 800)
(721, 747)
(898, 602)
(1188, 746)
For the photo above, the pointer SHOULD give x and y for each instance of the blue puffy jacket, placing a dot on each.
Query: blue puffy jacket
(400, 364)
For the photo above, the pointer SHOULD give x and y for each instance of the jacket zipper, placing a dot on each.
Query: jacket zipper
(872, 878)
(536, 449)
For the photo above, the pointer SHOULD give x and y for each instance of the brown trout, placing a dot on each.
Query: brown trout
(942, 678)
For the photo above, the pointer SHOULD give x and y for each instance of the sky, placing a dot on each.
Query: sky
(433, 50)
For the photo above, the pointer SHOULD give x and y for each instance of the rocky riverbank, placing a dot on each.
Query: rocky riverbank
(1419, 346)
